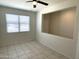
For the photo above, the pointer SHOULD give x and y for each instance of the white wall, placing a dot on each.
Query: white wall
(77, 46)
(77, 50)
(62, 45)
(12, 38)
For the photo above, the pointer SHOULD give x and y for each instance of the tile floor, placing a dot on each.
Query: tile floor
(30, 50)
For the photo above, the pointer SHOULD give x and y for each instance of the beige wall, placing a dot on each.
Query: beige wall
(62, 23)
(59, 23)
(46, 23)
(60, 44)
(9, 38)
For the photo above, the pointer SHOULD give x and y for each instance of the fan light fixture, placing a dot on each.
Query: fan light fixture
(37, 1)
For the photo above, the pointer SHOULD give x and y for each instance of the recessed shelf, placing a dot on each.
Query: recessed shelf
(59, 23)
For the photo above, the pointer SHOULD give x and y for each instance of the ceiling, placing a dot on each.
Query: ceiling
(21, 4)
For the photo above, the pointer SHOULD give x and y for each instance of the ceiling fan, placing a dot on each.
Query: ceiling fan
(37, 1)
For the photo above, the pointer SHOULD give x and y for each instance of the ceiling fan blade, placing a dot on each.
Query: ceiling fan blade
(29, 1)
(42, 3)
(34, 0)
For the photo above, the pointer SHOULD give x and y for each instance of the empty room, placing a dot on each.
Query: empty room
(39, 29)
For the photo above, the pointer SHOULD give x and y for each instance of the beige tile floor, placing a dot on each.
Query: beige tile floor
(30, 50)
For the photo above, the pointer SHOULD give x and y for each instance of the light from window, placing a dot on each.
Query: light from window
(17, 23)
(12, 23)
(24, 23)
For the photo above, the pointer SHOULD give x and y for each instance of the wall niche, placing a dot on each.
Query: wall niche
(59, 23)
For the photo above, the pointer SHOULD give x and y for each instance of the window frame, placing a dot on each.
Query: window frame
(18, 23)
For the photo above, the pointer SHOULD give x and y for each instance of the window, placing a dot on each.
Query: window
(17, 23)
(24, 24)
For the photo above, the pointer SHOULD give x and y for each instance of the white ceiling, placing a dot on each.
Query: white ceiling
(21, 4)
